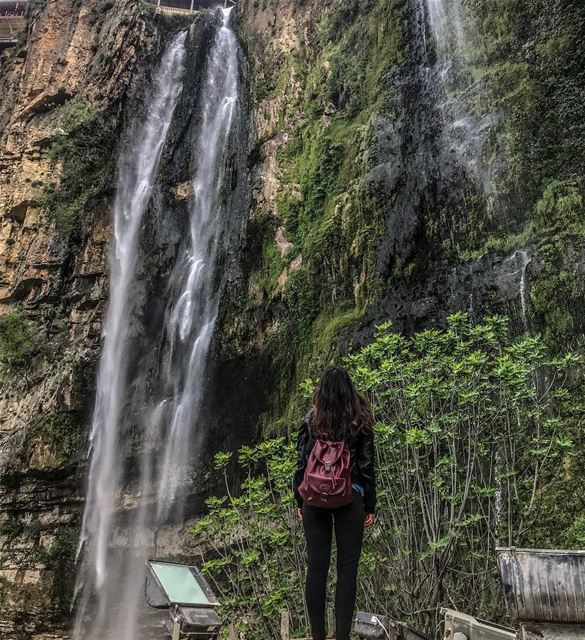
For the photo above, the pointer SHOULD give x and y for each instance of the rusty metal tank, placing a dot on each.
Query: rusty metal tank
(542, 585)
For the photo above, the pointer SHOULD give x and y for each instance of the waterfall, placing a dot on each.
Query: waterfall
(525, 261)
(121, 524)
(447, 27)
(137, 170)
(465, 135)
(192, 312)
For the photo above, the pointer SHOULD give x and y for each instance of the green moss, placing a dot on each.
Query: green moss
(19, 341)
(555, 47)
(561, 207)
(82, 153)
(329, 324)
(301, 298)
(61, 432)
(502, 244)
(492, 29)
(289, 207)
(316, 170)
(559, 210)
(272, 267)
(279, 82)
(506, 84)
(361, 45)
(558, 293)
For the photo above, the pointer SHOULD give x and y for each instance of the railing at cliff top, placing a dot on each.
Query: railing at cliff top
(189, 6)
(174, 10)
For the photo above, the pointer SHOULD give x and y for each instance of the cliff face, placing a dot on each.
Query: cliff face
(389, 181)
(75, 91)
(63, 92)
(407, 168)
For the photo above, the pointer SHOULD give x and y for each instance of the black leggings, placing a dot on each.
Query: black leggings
(318, 523)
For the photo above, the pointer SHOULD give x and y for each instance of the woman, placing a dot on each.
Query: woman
(339, 414)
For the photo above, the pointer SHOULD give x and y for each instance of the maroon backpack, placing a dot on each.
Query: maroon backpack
(327, 480)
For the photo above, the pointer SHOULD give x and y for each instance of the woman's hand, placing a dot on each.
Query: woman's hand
(300, 514)
(370, 519)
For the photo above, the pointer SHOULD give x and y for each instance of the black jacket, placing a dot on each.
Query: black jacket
(361, 448)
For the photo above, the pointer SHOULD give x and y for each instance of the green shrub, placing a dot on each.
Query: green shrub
(255, 550)
(470, 437)
(472, 441)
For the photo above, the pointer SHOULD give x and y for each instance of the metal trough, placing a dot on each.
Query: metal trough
(543, 586)
(460, 626)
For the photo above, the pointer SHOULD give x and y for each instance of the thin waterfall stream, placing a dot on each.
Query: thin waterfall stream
(121, 525)
(446, 26)
(465, 134)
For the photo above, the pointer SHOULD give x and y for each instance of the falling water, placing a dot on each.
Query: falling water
(192, 313)
(465, 135)
(523, 288)
(121, 525)
(446, 26)
(137, 170)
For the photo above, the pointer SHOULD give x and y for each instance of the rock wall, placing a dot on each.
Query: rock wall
(394, 184)
(64, 91)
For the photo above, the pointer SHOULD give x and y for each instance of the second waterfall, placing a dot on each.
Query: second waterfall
(147, 420)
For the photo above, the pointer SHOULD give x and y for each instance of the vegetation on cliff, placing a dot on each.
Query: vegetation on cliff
(328, 213)
(19, 341)
(81, 154)
(326, 257)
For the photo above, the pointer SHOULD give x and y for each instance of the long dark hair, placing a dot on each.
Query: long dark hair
(339, 409)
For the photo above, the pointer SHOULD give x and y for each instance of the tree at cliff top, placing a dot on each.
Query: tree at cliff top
(476, 435)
